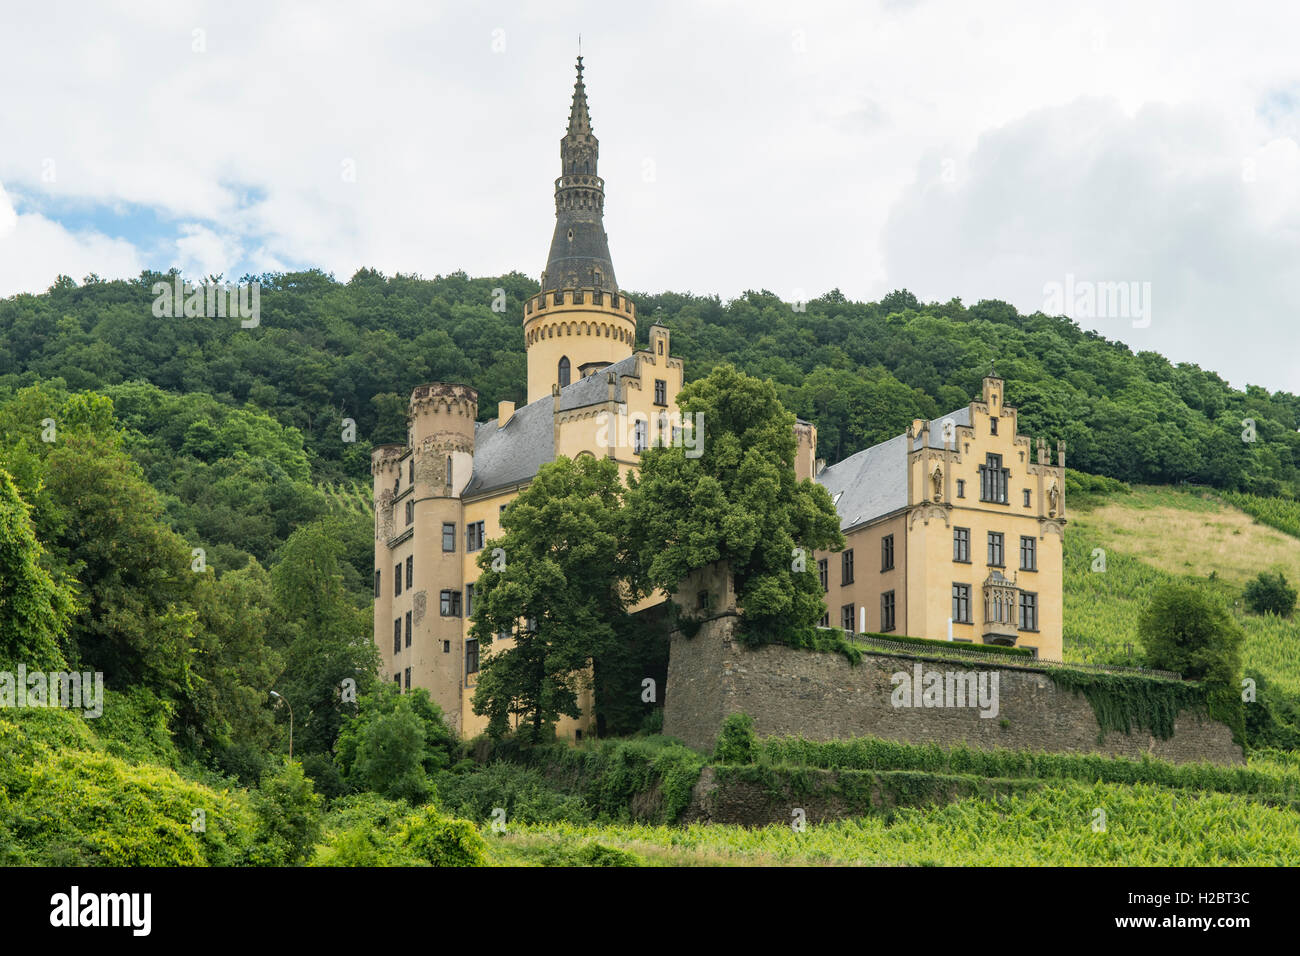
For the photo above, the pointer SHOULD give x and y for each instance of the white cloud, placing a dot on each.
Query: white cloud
(782, 139)
(34, 251)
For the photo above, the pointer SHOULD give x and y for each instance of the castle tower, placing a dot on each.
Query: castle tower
(579, 320)
(441, 421)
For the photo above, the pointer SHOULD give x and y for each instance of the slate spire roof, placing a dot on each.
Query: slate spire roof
(579, 257)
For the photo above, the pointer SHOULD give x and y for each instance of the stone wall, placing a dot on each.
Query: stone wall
(822, 696)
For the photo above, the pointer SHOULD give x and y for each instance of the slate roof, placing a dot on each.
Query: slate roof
(510, 455)
(594, 389)
(873, 482)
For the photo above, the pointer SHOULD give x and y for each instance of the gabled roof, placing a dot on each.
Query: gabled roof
(873, 482)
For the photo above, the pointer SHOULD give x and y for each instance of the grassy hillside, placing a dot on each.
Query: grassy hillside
(1152, 535)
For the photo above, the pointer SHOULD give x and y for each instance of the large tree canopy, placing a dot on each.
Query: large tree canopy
(738, 502)
(553, 584)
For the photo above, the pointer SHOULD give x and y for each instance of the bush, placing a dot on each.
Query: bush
(442, 841)
(1270, 594)
(288, 814)
(737, 742)
(523, 792)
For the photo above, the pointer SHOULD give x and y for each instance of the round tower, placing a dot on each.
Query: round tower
(441, 421)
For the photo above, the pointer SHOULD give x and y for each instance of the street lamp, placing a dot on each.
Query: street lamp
(290, 706)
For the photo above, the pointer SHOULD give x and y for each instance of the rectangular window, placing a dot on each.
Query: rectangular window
(824, 574)
(702, 601)
(996, 557)
(450, 603)
(448, 536)
(961, 603)
(1028, 611)
(397, 636)
(887, 611)
(410, 512)
(1026, 497)
(408, 678)
(397, 679)
(961, 487)
(961, 545)
(446, 647)
(661, 392)
(410, 572)
(471, 656)
(408, 628)
(826, 620)
(1028, 553)
(993, 480)
(846, 617)
(474, 536)
(397, 576)
(469, 600)
(993, 425)
(639, 440)
(846, 567)
(376, 582)
(887, 553)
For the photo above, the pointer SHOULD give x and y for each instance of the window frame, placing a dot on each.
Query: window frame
(961, 536)
(1031, 550)
(846, 567)
(961, 593)
(888, 612)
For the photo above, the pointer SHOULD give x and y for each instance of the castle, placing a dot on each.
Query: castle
(439, 497)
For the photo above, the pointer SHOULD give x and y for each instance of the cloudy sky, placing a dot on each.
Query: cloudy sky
(992, 150)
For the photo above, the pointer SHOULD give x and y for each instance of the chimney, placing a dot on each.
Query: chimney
(504, 411)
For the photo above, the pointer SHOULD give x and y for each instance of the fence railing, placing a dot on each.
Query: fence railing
(976, 652)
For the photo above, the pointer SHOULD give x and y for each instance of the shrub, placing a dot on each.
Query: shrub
(1270, 594)
(288, 814)
(737, 742)
(442, 841)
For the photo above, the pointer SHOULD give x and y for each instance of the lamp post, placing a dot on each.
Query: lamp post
(290, 706)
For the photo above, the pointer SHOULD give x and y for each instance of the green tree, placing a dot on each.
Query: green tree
(1269, 593)
(35, 609)
(322, 630)
(559, 594)
(1187, 630)
(738, 502)
(440, 742)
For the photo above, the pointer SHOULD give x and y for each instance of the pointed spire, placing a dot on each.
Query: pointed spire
(579, 117)
(579, 257)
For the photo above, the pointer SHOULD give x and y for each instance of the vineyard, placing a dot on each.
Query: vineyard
(349, 497)
(1066, 824)
(1280, 513)
(1119, 551)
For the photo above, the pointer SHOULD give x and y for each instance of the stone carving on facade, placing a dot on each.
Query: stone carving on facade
(937, 480)
(1053, 499)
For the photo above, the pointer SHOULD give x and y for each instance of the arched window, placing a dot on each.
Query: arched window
(564, 371)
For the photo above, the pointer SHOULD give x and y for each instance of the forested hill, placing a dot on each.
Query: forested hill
(327, 350)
